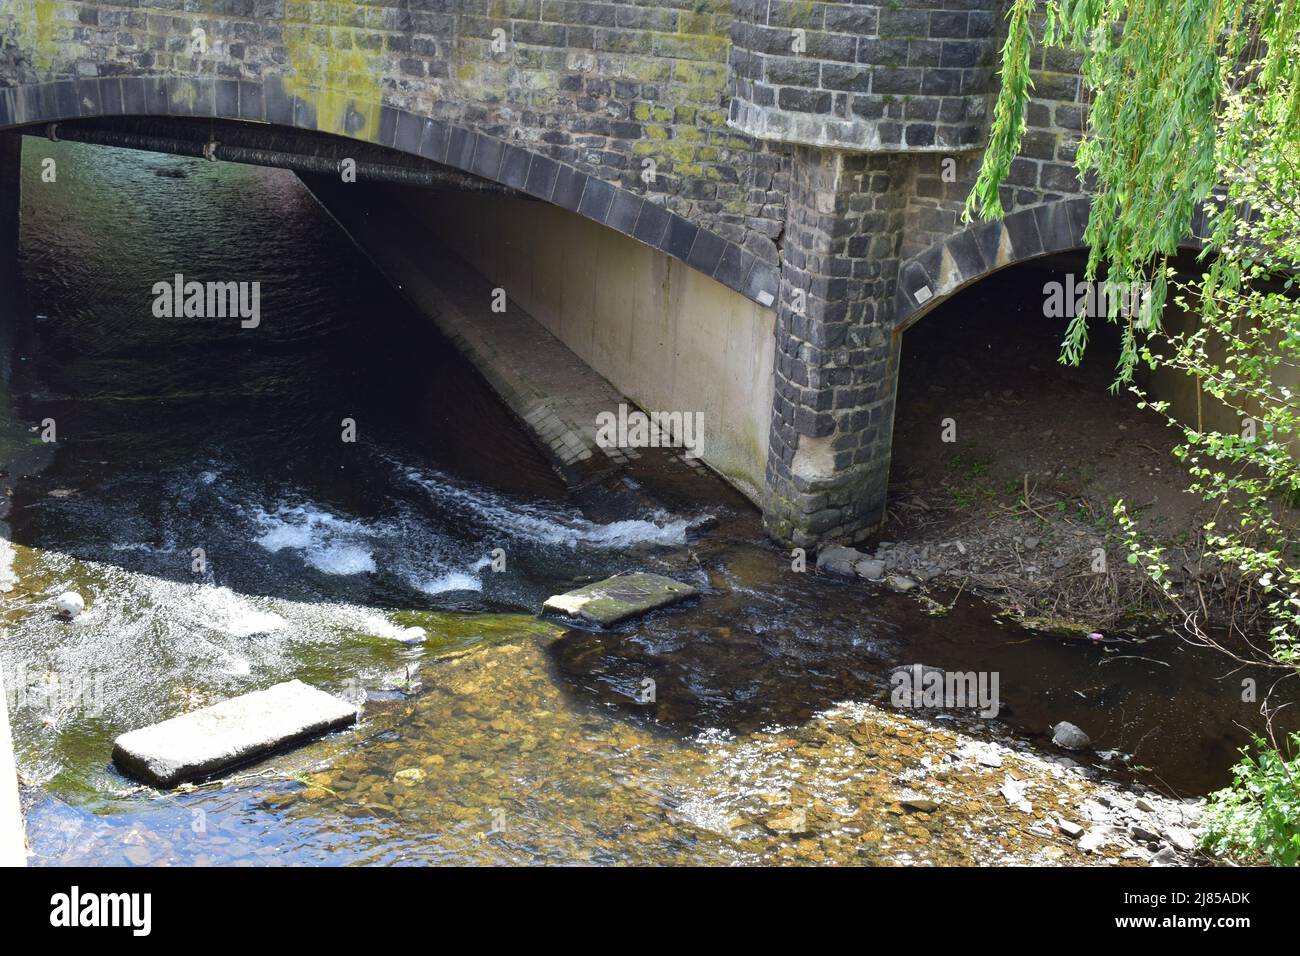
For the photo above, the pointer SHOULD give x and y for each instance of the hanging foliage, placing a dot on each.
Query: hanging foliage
(1194, 119)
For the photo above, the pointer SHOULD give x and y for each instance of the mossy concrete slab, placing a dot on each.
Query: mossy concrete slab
(620, 597)
(233, 732)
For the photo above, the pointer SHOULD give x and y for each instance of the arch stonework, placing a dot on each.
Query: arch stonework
(456, 146)
(948, 266)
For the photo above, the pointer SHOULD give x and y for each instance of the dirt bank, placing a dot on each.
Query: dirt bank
(1014, 498)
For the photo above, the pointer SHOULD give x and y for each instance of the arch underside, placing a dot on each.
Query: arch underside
(449, 144)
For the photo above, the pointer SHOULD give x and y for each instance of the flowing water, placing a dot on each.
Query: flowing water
(201, 496)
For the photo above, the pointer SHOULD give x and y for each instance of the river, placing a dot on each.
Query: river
(226, 537)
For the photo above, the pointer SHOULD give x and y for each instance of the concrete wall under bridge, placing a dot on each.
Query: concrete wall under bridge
(665, 335)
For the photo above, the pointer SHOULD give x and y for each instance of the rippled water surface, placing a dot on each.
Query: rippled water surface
(502, 738)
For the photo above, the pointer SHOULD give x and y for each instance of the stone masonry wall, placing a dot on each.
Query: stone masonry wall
(910, 75)
(619, 90)
(833, 408)
(1044, 171)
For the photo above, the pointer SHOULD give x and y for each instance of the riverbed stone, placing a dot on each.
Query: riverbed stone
(1067, 735)
(873, 569)
(1069, 827)
(1182, 838)
(839, 561)
(233, 732)
(618, 598)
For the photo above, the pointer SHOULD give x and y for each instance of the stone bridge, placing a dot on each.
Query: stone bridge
(805, 163)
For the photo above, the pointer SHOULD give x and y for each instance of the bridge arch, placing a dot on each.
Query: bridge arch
(459, 147)
(932, 277)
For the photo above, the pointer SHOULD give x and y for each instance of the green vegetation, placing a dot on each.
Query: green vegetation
(1195, 105)
(1260, 813)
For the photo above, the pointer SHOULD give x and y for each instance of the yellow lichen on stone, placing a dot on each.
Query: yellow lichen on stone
(336, 65)
(36, 24)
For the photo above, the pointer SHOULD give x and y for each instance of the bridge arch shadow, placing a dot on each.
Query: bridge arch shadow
(459, 147)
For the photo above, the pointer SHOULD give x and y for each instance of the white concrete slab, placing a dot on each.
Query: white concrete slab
(233, 732)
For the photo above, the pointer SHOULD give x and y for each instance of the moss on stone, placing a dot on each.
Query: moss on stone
(332, 69)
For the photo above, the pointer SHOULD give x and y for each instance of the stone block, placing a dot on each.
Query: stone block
(234, 732)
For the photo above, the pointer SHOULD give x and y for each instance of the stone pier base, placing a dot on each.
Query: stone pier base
(837, 354)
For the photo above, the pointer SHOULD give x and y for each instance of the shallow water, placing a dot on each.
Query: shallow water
(317, 554)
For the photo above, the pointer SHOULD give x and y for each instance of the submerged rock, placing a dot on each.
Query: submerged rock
(619, 598)
(1066, 735)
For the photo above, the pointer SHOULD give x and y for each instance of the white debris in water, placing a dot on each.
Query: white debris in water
(69, 604)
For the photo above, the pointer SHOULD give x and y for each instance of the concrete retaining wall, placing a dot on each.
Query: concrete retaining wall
(663, 334)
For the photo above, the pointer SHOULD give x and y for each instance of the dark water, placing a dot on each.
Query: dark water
(182, 434)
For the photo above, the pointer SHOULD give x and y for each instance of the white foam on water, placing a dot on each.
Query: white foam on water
(223, 610)
(342, 559)
(554, 527)
(328, 543)
(366, 621)
(451, 581)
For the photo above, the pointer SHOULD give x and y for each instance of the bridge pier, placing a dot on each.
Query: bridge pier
(837, 356)
(11, 154)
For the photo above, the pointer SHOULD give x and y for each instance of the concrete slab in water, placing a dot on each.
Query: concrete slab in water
(620, 597)
(233, 732)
